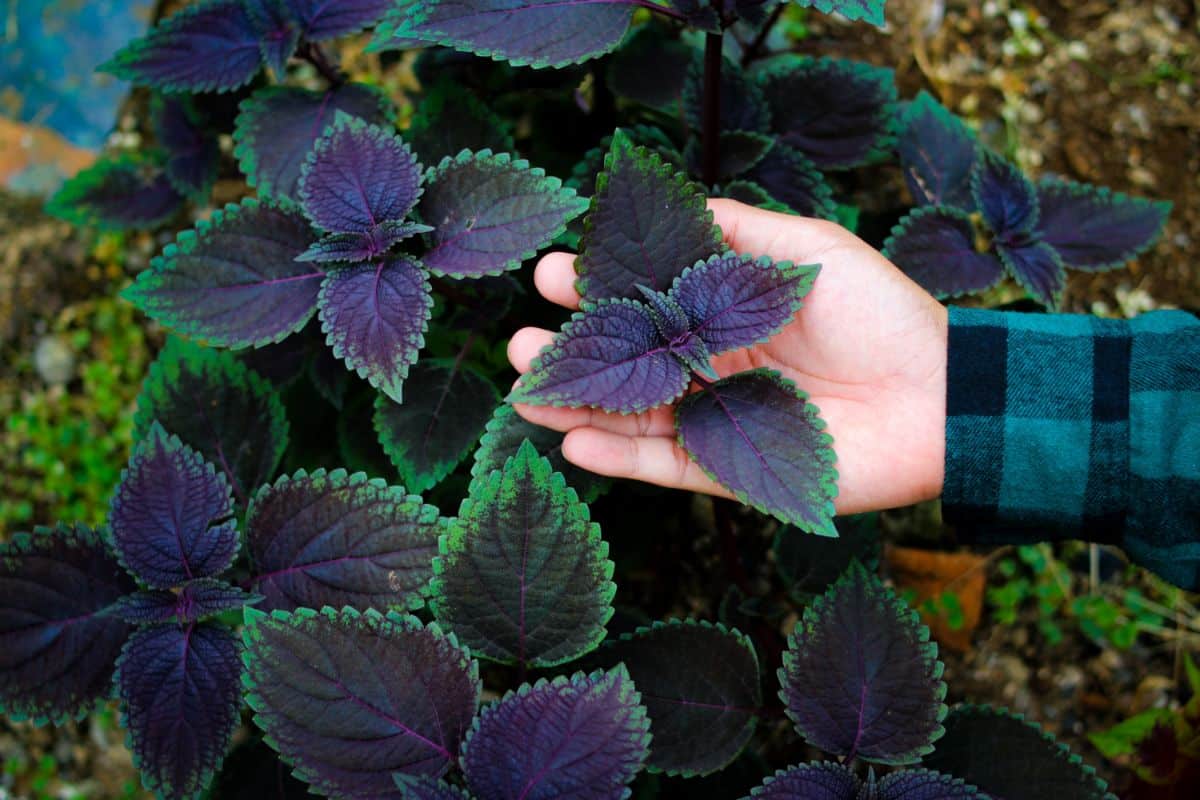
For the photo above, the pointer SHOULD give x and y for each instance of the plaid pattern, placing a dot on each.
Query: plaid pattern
(1073, 427)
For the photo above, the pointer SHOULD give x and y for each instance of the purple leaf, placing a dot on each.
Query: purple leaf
(936, 248)
(735, 301)
(278, 33)
(1005, 197)
(423, 787)
(751, 194)
(647, 224)
(809, 564)
(172, 514)
(358, 176)
(535, 33)
(350, 698)
(612, 357)
(578, 738)
(451, 118)
(322, 19)
(700, 685)
(650, 67)
(835, 111)
(674, 328)
(491, 213)
(278, 125)
(738, 152)
(1038, 268)
(523, 576)
(860, 677)
(1093, 228)
(1012, 759)
(924, 784)
(218, 407)
(790, 178)
(823, 781)
(332, 539)
(181, 694)
(116, 194)
(233, 280)
(192, 154)
(195, 600)
(937, 153)
(743, 105)
(210, 46)
(57, 646)
(364, 246)
(445, 409)
(374, 317)
(756, 435)
(867, 10)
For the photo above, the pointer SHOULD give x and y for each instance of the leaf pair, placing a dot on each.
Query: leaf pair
(1036, 230)
(220, 45)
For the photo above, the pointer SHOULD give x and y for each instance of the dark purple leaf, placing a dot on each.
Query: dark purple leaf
(332, 539)
(738, 152)
(523, 576)
(867, 10)
(350, 698)
(1004, 196)
(809, 564)
(234, 281)
(329, 376)
(358, 176)
(1093, 228)
(535, 33)
(698, 14)
(218, 407)
(923, 784)
(937, 153)
(835, 111)
(860, 677)
(210, 46)
(503, 437)
(577, 738)
(735, 301)
(650, 67)
(57, 646)
(743, 105)
(789, 177)
(1012, 759)
(181, 697)
(756, 435)
(1038, 268)
(423, 787)
(647, 224)
(446, 407)
(374, 317)
(278, 125)
(116, 194)
(700, 685)
(278, 32)
(194, 601)
(612, 357)
(364, 246)
(585, 174)
(674, 329)
(450, 118)
(751, 194)
(283, 363)
(491, 213)
(192, 154)
(172, 514)
(823, 781)
(324, 19)
(936, 248)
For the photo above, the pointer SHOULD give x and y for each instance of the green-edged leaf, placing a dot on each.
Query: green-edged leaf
(809, 564)
(739, 151)
(701, 688)
(790, 178)
(491, 212)
(129, 191)
(868, 10)
(503, 437)
(220, 408)
(333, 539)
(860, 677)
(524, 576)
(751, 194)
(450, 118)
(646, 225)
(446, 407)
(277, 126)
(535, 33)
(234, 280)
(650, 68)
(351, 698)
(1011, 758)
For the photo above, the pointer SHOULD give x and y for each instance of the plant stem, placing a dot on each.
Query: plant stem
(752, 50)
(710, 132)
(661, 9)
(313, 54)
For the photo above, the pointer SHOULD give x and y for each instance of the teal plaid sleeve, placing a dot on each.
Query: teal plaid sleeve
(1073, 427)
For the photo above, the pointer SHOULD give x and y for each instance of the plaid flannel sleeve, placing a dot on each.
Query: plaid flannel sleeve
(1073, 427)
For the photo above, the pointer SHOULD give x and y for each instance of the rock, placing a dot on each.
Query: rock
(54, 360)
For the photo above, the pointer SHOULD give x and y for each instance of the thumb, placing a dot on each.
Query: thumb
(783, 237)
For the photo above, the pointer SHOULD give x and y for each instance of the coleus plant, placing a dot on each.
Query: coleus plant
(979, 217)
(648, 235)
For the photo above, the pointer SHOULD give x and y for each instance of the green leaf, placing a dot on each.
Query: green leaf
(128, 191)
(450, 118)
(1123, 739)
(868, 10)
(524, 576)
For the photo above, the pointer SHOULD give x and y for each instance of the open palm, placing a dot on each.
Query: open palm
(869, 347)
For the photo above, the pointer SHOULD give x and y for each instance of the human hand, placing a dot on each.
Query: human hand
(869, 348)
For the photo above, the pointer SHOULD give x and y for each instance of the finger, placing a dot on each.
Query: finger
(525, 345)
(657, 422)
(554, 277)
(651, 459)
(802, 240)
